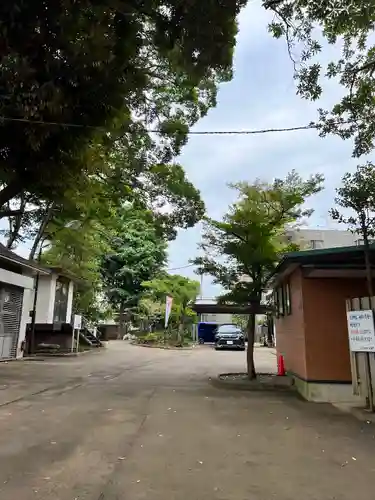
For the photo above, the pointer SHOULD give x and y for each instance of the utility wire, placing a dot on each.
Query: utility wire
(191, 132)
(182, 267)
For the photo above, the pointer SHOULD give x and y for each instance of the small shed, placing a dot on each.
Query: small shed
(311, 289)
(54, 300)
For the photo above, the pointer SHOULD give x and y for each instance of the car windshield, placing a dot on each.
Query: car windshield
(228, 329)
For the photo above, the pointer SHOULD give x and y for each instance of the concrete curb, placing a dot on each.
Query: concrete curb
(42, 357)
(246, 385)
(163, 347)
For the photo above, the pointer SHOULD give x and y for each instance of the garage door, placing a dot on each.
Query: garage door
(10, 318)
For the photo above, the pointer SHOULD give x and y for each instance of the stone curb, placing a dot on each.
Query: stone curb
(41, 357)
(242, 385)
(163, 347)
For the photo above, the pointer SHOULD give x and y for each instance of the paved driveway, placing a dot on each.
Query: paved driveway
(144, 424)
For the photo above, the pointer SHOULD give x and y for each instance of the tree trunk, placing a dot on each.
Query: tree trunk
(9, 192)
(122, 322)
(270, 339)
(370, 290)
(250, 346)
(41, 231)
(15, 219)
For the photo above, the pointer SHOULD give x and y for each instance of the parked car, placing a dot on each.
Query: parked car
(229, 337)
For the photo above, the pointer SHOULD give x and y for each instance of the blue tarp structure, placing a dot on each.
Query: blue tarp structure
(206, 331)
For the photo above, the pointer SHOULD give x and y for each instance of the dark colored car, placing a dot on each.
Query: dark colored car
(229, 337)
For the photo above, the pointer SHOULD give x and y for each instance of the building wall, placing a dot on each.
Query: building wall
(326, 335)
(27, 305)
(290, 330)
(70, 302)
(46, 299)
(45, 302)
(221, 318)
(25, 282)
(324, 238)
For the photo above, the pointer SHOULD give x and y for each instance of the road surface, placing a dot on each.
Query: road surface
(145, 424)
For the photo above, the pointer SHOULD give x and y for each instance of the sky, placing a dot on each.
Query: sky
(262, 94)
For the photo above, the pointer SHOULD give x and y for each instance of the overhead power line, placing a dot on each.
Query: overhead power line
(191, 132)
(182, 267)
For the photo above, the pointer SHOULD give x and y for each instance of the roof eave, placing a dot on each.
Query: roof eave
(35, 268)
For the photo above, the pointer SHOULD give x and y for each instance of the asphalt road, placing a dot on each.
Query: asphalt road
(145, 424)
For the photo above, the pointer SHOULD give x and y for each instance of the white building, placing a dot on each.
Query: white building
(16, 295)
(54, 297)
(310, 239)
(17, 283)
(219, 318)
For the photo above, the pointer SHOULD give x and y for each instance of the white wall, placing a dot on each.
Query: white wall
(27, 283)
(70, 302)
(45, 301)
(27, 305)
(221, 319)
(330, 238)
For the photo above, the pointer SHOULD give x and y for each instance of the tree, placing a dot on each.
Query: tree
(240, 320)
(183, 291)
(349, 25)
(357, 194)
(242, 250)
(78, 249)
(149, 312)
(75, 78)
(137, 254)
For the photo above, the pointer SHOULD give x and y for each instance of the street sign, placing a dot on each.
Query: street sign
(361, 330)
(77, 322)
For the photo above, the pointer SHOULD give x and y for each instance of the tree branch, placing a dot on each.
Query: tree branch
(10, 213)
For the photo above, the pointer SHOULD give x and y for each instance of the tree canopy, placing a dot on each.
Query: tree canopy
(77, 77)
(356, 197)
(308, 27)
(136, 255)
(242, 250)
(183, 291)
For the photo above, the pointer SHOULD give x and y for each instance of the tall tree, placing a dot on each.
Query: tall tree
(137, 254)
(309, 26)
(76, 76)
(242, 250)
(357, 197)
(78, 248)
(183, 291)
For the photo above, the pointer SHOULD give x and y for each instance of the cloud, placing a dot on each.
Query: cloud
(262, 94)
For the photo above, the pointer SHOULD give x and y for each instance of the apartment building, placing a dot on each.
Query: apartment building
(311, 239)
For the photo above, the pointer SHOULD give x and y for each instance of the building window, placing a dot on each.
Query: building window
(282, 300)
(288, 300)
(315, 244)
(362, 242)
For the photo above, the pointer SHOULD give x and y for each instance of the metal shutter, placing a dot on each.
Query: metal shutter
(10, 319)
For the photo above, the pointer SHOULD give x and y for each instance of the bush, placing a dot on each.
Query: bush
(164, 338)
(151, 338)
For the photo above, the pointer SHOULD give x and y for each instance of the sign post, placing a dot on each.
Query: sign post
(362, 339)
(361, 330)
(77, 325)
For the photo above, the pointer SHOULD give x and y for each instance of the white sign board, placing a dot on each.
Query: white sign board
(77, 322)
(361, 331)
